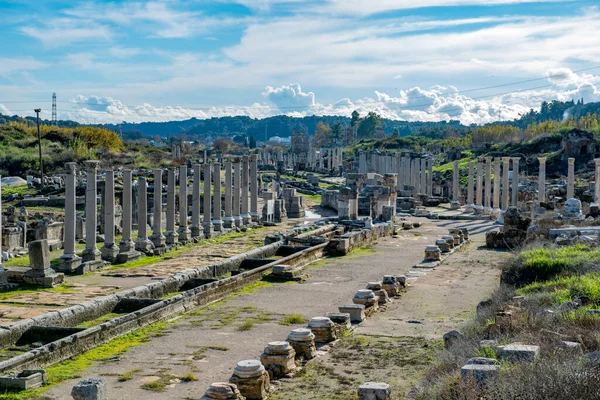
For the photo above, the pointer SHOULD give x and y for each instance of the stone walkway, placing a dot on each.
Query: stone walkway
(209, 342)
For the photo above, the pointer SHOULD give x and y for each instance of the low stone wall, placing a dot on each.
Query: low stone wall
(329, 199)
(342, 245)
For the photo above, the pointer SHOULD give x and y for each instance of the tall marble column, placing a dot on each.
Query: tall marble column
(470, 207)
(505, 183)
(171, 234)
(423, 176)
(110, 249)
(487, 205)
(416, 177)
(571, 179)
(207, 223)
(91, 252)
(399, 171)
(479, 188)
(157, 237)
(515, 182)
(456, 183)
(69, 261)
(183, 231)
(542, 180)
(597, 181)
(142, 243)
(196, 227)
(407, 170)
(228, 218)
(430, 177)
(497, 179)
(217, 222)
(245, 188)
(127, 250)
(237, 193)
(254, 215)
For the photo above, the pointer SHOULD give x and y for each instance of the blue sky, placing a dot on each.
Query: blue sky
(405, 59)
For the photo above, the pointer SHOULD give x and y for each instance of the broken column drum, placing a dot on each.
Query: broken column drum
(157, 238)
(433, 253)
(356, 311)
(365, 297)
(69, 261)
(171, 235)
(110, 249)
(91, 252)
(390, 285)
(323, 328)
(374, 391)
(278, 359)
(303, 342)
(222, 391)
(443, 245)
(251, 379)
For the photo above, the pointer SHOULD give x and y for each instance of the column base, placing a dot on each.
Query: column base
(68, 263)
(171, 237)
(184, 234)
(246, 219)
(228, 222)
(496, 212)
(237, 220)
(208, 229)
(196, 231)
(110, 252)
(91, 255)
(127, 253)
(158, 240)
(478, 210)
(144, 245)
(255, 217)
(217, 225)
(455, 205)
(487, 210)
(470, 208)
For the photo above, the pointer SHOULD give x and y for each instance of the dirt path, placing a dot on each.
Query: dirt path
(209, 342)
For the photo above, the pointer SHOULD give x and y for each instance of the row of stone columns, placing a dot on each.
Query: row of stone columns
(414, 172)
(241, 207)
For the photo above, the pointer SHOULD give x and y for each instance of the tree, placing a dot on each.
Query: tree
(223, 144)
(322, 135)
(396, 133)
(252, 142)
(369, 125)
(337, 134)
(355, 118)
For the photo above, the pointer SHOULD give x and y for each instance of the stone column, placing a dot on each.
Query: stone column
(505, 183)
(254, 215)
(416, 177)
(423, 176)
(430, 177)
(399, 171)
(515, 182)
(228, 218)
(196, 227)
(127, 250)
(184, 232)
(470, 189)
(245, 187)
(487, 205)
(456, 183)
(157, 238)
(171, 234)
(69, 261)
(207, 224)
(571, 179)
(542, 180)
(479, 189)
(497, 179)
(407, 167)
(91, 252)
(217, 222)
(237, 186)
(142, 242)
(597, 181)
(110, 249)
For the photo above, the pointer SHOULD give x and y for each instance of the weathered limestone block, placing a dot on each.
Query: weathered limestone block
(443, 245)
(481, 373)
(433, 253)
(342, 321)
(303, 342)
(383, 296)
(365, 297)
(287, 272)
(278, 359)
(482, 361)
(450, 240)
(374, 286)
(323, 328)
(401, 280)
(356, 311)
(519, 352)
(251, 379)
(374, 391)
(457, 233)
(28, 379)
(465, 232)
(90, 389)
(222, 391)
(390, 285)
(40, 273)
(452, 338)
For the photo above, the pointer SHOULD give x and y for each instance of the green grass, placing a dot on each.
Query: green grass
(463, 164)
(566, 288)
(293, 319)
(73, 368)
(20, 190)
(200, 353)
(98, 321)
(27, 290)
(127, 376)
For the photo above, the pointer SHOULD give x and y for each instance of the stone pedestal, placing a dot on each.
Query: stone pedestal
(374, 391)
(90, 389)
(303, 342)
(222, 391)
(365, 297)
(443, 245)
(390, 285)
(278, 359)
(356, 312)
(69, 261)
(91, 252)
(251, 379)
(323, 328)
(433, 253)
(142, 243)
(40, 273)
(183, 231)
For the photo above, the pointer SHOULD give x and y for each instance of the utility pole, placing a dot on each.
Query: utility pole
(37, 111)
(54, 117)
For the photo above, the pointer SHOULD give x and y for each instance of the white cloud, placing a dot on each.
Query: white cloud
(10, 66)
(4, 110)
(124, 52)
(61, 32)
(290, 97)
